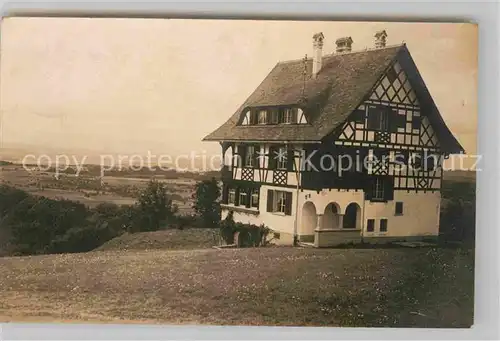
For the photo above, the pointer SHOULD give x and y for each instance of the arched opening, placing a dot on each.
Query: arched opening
(331, 217)
(309, 219)
(352, 216)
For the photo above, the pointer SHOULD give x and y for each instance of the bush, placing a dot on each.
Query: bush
(154, 208)
(206, 202)
(249, 235)
(36, 221)
(458, 212)
(187, 221)
(38, 225)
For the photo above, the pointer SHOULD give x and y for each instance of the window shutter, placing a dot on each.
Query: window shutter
(242, 150)
(389, 188)
(225, 194)
(288, 203)
(249, 197)
(290, 160)
(272, 157)
(270, 200)
(237, 197)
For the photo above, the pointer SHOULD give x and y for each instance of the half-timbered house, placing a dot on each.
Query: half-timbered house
(338, 148)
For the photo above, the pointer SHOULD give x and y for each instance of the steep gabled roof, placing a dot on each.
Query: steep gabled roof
(341, 85)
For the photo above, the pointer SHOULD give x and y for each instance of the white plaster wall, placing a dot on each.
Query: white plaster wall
(420, 215)
(275, 221)
(323, 198)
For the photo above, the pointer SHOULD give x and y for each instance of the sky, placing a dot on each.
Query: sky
(161, 85)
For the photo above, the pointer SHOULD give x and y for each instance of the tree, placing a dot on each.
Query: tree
(154, 208)
(206, 202)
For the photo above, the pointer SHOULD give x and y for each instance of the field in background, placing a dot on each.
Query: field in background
(87, 188)
(122, 189)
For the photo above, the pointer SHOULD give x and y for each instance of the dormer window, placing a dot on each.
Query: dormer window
(262, 117)
(273, 115)
(288, 116)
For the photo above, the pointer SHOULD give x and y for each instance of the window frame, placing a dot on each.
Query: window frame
(255, 193)
(260, 116)
(279, 202)
(382, 121)
(287, 116)
(372, 223)
(378, 182)
(281, 159)
(386, 223)
(400, 211)
(231, 193)
(242, 194)
(249, 156)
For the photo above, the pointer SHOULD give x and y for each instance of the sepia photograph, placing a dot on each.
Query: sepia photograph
(238, 172)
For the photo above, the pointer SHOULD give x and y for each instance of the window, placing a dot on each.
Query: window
(275, 114)
(232, 196)
(250, 156)
(370, 226)
(279, 201)
(383, 225)
(262, 117)
(287, 116)
(399, 208)
(378, 189)
(243, 198)
(378, 119)
(255, 198)
(281, 158)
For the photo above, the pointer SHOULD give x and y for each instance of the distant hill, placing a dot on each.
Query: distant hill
(16, 153)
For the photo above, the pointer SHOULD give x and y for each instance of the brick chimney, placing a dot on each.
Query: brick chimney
(317, 53)
(344, 44)
(380, 39)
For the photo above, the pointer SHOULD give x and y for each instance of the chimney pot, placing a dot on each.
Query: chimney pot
(380, 39)
(344, 44)
(317, 53)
